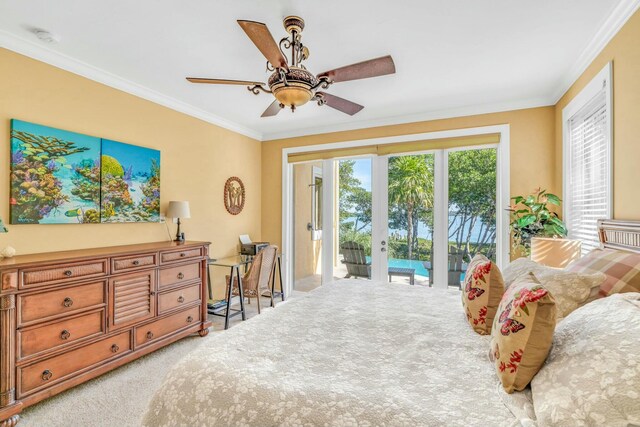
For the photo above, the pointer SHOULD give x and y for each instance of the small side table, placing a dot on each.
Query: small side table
(233, 263)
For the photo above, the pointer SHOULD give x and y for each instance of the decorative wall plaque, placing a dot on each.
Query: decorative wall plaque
(234, 195)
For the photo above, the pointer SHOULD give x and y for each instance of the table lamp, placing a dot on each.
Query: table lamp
(178, 209)
(554, 252)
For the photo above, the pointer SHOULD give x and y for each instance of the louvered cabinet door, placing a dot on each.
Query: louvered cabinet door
(132, 298)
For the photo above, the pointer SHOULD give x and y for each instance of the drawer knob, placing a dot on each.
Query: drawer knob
(68, 273)
(180, 276)
(149, 335)
(136, 262)
(67, 302)
(65, 334)
(46, 375)
(115, 348)
(180, 299)
(182, 255)
(189, 319)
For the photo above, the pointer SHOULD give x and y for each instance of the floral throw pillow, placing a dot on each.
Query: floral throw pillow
(483, 288)
(522, 332)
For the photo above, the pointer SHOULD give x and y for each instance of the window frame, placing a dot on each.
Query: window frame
(591, 90)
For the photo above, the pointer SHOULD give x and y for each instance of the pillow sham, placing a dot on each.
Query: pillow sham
(483, 288)
(621, 269)
(522, 332)
(592, 375)
(569, 289)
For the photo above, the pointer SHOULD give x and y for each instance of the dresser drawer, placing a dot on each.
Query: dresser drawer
(36, 339)
(51, 371)
(179, 274)
(58, 302)
(63, 273)
(132, 263)
(183, 255)
(170, 300)
(151, 332)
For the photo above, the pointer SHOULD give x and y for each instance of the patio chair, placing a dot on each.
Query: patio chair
(357, 265)
(456, 267)
(355, 260)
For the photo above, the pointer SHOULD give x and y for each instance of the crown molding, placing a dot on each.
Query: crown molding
(620, 15)
(67, 63)
(414, 118)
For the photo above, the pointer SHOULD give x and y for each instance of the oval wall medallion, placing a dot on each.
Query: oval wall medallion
(234, 195)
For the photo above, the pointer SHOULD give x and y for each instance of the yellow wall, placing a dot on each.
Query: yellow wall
(624, 51)
(532, 154)
(307, 251)
(197, 158)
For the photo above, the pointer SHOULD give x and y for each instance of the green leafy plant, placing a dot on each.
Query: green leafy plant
(531, 217)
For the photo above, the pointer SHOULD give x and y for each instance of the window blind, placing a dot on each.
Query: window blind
(588, 198)
(397, 148)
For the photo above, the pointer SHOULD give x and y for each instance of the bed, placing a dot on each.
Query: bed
(350, 353)
(377, 353)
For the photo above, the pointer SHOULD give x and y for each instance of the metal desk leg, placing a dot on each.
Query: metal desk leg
(209, 283)
(273, 284)
(280, 276)
(241, 292)
(228, 311)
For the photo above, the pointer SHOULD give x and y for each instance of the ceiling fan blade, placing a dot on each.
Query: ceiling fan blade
(272, 110)
(362, 70)
(264, 41)
(340, 104)
(223, 81)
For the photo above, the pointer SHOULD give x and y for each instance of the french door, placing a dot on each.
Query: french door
(401, 227)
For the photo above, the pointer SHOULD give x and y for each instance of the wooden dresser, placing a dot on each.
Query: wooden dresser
(67, 317)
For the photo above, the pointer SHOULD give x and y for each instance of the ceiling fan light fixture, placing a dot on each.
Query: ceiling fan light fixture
(294, 87)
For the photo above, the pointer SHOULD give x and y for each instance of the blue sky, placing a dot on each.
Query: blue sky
(362, 171)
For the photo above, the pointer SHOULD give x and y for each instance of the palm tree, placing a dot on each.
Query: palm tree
(410, 187)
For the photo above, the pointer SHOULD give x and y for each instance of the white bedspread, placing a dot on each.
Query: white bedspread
(351, 353)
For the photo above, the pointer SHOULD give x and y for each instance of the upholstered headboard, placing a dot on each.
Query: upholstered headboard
(619, 234)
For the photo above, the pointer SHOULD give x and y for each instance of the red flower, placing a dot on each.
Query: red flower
(526, 296)
(481, 270)
(482, 316)
(502, 366)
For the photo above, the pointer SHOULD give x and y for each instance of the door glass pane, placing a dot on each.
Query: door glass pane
(472, 209)
(411, 198)
(307, 193)
(353, 242)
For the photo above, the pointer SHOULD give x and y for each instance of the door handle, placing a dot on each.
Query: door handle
(383, 249)
(383, 243)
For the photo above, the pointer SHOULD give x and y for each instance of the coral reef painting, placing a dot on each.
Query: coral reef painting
(130, 183)
(55, 175)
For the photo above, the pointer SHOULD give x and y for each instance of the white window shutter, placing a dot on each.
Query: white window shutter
(589, 171)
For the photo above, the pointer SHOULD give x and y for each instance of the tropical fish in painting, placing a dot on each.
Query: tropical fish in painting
(73, 213)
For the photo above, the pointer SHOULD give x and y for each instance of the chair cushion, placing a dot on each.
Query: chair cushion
(522, 332)
(483, 288)
(621, 268)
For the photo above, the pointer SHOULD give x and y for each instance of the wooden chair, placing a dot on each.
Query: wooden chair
(256, 280)
(455, 267)
(355, 260)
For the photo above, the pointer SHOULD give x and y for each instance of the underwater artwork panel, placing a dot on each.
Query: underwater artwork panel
(130, 183)
(55, 176)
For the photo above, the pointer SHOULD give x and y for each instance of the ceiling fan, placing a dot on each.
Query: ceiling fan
(290, 82)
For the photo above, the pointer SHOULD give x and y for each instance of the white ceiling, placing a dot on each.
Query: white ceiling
(452, 57)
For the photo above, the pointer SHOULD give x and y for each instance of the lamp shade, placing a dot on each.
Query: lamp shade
(555, 252)
(178, 209)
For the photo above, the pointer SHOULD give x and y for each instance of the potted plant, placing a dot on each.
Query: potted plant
(531, 217)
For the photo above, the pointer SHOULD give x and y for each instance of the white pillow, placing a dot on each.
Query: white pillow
(592, 374)
(570, 290)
